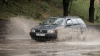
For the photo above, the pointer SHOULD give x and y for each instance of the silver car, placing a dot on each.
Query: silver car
(47, 30)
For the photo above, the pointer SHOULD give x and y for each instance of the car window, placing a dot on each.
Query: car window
(75, 22)
(59, 21)
(80, 21)
(69, 22)
(54, 21)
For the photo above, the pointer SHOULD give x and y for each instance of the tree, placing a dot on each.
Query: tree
(91, 11)
(98, 13)
(5, 1)
(65, 7)
(29, 0)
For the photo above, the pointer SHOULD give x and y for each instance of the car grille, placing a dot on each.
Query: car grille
(41, 31)
(37, 30)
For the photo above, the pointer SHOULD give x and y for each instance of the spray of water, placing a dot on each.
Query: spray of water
(74, 34)
(22, 26)
(19, 26)
(67, 36)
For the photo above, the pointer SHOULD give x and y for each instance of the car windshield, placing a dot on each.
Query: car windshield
(53, 21)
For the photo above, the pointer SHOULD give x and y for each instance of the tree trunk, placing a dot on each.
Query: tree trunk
(5, 1)
(65, 7)
(29, 0)
(91, 11)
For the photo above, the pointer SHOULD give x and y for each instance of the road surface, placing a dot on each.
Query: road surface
(22, 45)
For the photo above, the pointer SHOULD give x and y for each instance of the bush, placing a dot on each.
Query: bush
(44, 6)
(80, 8)
(97, 12)
(57, 3)
(37, 15)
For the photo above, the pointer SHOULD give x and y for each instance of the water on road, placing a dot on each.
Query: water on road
(19, 43)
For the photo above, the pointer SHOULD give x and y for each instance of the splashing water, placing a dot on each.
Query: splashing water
(67, 37)
(74, 34)
(22, 25)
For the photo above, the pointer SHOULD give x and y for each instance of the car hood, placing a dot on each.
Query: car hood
(46, 27)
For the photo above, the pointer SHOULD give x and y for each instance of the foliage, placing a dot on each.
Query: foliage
(36, 8)
(57, 3)
(30, 9)
(37, 15)
(80, 8)
(45, 6)
(14, 8)
(97, 12)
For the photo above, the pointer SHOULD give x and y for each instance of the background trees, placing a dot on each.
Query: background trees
(65, 7)
(45, 8)
(91, 11)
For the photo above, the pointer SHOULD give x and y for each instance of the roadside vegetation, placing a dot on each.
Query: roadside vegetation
(36, 9)
(41, 9)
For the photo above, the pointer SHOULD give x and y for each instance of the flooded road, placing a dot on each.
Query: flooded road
(18, 42)
(24, 46)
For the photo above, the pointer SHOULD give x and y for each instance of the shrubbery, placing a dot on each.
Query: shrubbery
(81, 8)
(35, 8)
(45, 6)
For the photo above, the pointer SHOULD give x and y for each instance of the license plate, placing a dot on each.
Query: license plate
(38, 34)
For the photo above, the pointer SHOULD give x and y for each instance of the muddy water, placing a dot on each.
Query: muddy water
(70, 41)
(75, 34)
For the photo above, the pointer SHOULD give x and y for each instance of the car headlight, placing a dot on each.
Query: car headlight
(32, 30)
(51, 31)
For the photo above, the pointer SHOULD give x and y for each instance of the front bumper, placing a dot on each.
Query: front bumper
(33, 34)
(45, 36)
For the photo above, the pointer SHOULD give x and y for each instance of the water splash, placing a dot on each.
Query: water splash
(22, 26)
(74, 34)
(68, 38)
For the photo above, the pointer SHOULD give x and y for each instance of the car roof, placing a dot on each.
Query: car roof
(71, 17)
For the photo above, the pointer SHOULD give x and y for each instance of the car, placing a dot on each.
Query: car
(47, 30)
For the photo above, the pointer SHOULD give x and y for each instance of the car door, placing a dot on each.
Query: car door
(72, 23)
(75, 23)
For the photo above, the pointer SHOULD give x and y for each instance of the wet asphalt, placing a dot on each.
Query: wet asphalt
(23, 45)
